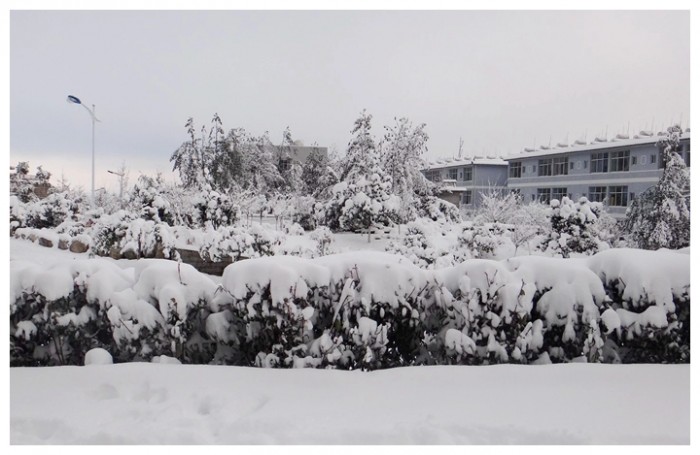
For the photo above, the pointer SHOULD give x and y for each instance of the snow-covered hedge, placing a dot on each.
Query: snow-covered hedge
(357, 310)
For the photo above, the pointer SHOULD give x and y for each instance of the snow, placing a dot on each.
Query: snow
(98, 356)
(162, 403)
(611, 320)
(642, 274)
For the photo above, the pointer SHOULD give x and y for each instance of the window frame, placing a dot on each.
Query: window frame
(515, 167)
(599, 162)
(619, 161)
(596, 195)
(544, 167)
(560, 165)
(618, 198)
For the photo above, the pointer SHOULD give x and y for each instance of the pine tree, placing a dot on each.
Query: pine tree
(361, 157)
(660, 216)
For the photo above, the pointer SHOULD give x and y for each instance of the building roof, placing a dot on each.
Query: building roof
(597, 144)
(443, 163)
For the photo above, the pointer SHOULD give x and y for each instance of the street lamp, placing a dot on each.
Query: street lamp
(121, 185)
(76, 100)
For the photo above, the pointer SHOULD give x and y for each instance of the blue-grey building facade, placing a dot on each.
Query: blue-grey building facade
(463, 181)
(612, 172)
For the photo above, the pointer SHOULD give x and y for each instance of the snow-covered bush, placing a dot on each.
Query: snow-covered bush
(481, 240)
(437, 209)
(276, 302)
(361, 204)
(650, 295)
(307, 212)
(53, 210)
(215, 209)
(122, 235)
(427, 244)
(363, 310)
(148, 199)
(238, 242)
(573, 227)
(497, 207)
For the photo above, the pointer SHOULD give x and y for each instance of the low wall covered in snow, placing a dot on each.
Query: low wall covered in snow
(357, 310)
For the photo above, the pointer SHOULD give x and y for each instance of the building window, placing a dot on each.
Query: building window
(634, 160)
(599, 162)
(596, 193)
(558, 193)
(571, 166)
(515, 169)
(544, 195)
(585, 164)
(452, 174)
(652, 158)
(687, 158)
(433, 176)
(617, 196)
(467, 197)
(561, 166)
(468, 174)
(620, 161)
(545, 167)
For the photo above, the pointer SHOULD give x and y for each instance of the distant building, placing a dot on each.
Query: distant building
(298, 153)
(461, 181)
(613, 172)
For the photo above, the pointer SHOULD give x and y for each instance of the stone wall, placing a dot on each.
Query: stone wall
(193, 258)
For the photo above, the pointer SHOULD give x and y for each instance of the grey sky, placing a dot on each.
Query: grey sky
(498, 79)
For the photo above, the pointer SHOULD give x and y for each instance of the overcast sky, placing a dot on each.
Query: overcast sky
(499, 80)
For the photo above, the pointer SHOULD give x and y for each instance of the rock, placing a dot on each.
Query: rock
(76, 246)
(114, 253)
(63, 244)
(159, 254)
(45, 242)
(128, 254)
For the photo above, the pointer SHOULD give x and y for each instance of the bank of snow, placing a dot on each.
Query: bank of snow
(160, 403)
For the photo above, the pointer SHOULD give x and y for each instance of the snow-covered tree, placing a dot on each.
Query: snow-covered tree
(362, 198)
(188, 159)
(290, 169)
(317, 174)
(660, 216)
(401, 151)
(260, 172)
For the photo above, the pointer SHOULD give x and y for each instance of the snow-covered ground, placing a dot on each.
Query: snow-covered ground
(141, 403)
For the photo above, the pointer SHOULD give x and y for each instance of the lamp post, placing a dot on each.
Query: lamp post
(76, 100)
(121, 185)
